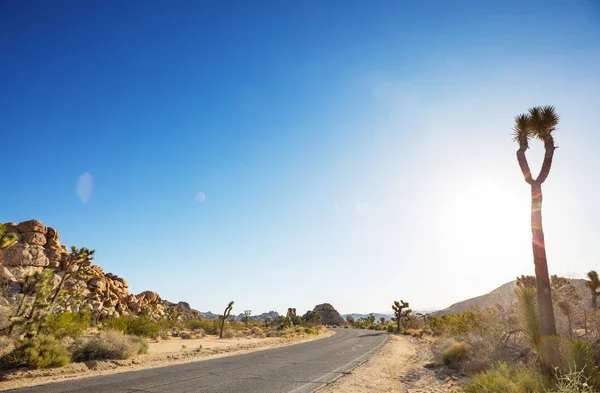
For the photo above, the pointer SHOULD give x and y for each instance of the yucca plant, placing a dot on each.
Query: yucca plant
(528, 317)
(582, 360)
(593, 283)
(540, 123)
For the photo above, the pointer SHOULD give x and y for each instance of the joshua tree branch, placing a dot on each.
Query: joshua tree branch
(546, 165)
(522, 159)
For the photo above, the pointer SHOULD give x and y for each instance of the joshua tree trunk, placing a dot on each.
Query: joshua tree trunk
(540, 123)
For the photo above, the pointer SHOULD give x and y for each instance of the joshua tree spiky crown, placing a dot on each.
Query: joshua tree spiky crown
(540, 123)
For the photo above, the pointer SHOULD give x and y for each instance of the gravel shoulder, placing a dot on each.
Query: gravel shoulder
(399, 366)
(160, 354)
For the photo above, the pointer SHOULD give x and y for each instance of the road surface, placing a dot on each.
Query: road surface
(292, 369)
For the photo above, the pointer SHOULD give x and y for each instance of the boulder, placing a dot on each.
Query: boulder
(53, 243)
(25, 255)
(52, 234)
(11, 227)
(20, 273)
(329, 315)
(34, 238)
(32, 226)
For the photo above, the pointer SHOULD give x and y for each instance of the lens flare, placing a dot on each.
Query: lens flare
(200, 197)
(85, 184)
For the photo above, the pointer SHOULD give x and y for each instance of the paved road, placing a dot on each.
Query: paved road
(292, 369)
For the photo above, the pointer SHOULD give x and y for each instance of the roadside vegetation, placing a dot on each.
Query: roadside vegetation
(37, 331)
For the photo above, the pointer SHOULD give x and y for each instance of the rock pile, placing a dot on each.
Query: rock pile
(329, 315)
(106, 294)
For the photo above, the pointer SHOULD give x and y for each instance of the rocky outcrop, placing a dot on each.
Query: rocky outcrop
(38, 247)
(329, 315)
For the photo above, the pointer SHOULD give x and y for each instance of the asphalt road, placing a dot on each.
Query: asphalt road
(292, 369)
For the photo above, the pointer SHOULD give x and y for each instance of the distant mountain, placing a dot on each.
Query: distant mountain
(208, 315)
(356, 316)
(505, 295)
(271, 314)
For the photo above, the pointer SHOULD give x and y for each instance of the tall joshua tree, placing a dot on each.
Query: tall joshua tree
(593, 283)
(540, 123)
(225, 316)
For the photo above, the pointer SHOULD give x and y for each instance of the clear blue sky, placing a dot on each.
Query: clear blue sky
(348, 152)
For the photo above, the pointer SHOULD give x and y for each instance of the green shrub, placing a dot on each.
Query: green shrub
(582, 360)
(455, 353)
(391, 329)
(110, 344)
(194, 324)
(137, 326)
(66, 324)
(502, 379)
(40, 352)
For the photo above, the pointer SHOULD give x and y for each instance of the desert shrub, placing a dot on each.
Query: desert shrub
(460, 323)
(66, 324)
(7, 344)
(109, 344)
(575, 382)
(503, 379)
(40, 352)
(455, 353)
(229, 333)
(199, 333)
(137, 326)
(391, 329)
(185, 336)
(256, 331)
(194, 324)
(582, 361)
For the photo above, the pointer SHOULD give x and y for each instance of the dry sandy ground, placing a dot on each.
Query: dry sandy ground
(160, 354)
(398, 367)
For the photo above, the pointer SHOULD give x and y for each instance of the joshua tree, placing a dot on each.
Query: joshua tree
(401, 311)
(593, 283)
(382, 320)
(247, 316)
(77, 259)
(371, 318)
(425, 317)
(225, 316)
(540, 123)
(350, 320)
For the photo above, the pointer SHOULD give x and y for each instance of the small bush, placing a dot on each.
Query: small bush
(67, 324)
(502, 379)
(138, 326)
(256, 331)
(40, 352)
(455, 353)
(7, 344)
(185, 336)
(575, 382)
(194, 324)
(109, 345)
(228, 334)
(391, 329)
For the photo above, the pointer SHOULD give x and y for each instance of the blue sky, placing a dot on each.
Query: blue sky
(348, 152)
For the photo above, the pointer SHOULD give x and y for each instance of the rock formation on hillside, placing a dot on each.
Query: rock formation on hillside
(107, 295)
(329, 315)
(261, 317)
